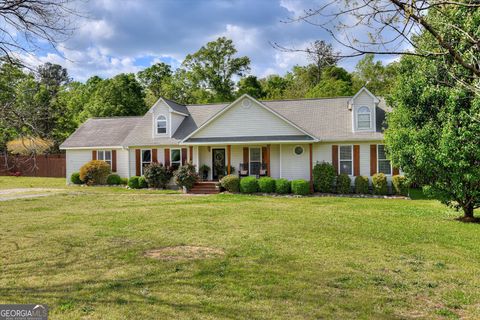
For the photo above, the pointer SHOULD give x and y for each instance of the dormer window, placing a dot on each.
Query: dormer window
(161, 124)
(364, 118)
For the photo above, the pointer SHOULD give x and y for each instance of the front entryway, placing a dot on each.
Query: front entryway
(218, 163)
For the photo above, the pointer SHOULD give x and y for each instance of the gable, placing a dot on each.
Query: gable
(247, 117)
(364, 99)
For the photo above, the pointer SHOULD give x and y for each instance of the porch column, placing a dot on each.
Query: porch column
(311, 167)
(190, 154)
(229, 156)
(268, 160)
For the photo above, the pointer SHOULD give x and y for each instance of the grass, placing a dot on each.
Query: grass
(81, 253)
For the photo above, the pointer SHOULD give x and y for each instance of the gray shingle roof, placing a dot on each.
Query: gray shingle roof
(101, 132)
(327, 119)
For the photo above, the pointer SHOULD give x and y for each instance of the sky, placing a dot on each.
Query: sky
(115, 36)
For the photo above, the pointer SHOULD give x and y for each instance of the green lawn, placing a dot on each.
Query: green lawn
(81, 253)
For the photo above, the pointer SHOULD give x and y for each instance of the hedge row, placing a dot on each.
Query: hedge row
(233, 183)
(326, 180)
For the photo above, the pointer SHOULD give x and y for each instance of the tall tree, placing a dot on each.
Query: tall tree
(52, 76)
(322, 55)
(434, 130)
(156, 79)
(274, 86)
(251, 86)
(214, 66)
(379, 79)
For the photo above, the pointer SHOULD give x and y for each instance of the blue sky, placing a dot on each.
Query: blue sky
(127, 36)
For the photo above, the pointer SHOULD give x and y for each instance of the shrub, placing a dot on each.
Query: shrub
(133, 182)
(248, 185)
(282, 186)
(266, 185)
(400, 185)
(379, 184)
(300, 187)
(344, 184)
(95, 172)
(324, 177)
(142, 182)
(157, 175)
(113, 179)
(124, 181)
(204, 170)
(361, 184)
(186, 176)
(75, 178)
(231, 183)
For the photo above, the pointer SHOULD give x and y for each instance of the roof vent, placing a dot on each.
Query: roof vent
(246, 103)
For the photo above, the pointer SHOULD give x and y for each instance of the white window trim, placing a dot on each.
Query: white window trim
(340, 159)
(171, 158)
(378, 160)
(370, 113)
(141, 159)
(250, 161)
(295, 147)
(107, 161)
(156, 125)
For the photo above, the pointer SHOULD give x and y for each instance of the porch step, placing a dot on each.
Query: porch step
(204, 188)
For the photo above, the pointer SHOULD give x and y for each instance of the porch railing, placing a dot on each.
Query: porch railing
(258, 169)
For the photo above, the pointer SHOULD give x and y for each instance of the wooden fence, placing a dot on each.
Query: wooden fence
(52, 165)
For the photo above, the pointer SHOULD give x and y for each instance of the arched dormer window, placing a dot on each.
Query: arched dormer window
(364, 118)
(161, 124)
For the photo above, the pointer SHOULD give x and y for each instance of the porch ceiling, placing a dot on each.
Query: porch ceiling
(273, 139)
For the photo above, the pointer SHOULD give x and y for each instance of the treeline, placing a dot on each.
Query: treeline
(49, 105)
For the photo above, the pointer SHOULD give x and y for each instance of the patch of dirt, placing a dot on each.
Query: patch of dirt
(468, 219)
(184, 253)
(25, 193)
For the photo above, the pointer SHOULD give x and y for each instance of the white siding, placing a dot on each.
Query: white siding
(364, 99)
(294, 166)
(275, 161)
(252, 121)
(122, 163)
(75, 159)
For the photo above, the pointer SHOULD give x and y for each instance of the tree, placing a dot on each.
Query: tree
(379, 79)
(334, 82)
(52, 76)
(322, 55)
(274, 86)
(213, 67)
(27, 23)
(121, 95)
(392, 26)
(251, 86)
(434, 130)
(156, 79)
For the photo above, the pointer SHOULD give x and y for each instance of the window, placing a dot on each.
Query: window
(175, 158)
(146, 158)
(364, 118)
(383, 164)
(161, 125)
(346, 160)
(255, 161)
(298, 150)
(105, 155)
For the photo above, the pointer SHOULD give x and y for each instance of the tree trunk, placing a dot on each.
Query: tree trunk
(468, 211)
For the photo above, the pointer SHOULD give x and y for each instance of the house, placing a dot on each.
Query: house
(281, 138)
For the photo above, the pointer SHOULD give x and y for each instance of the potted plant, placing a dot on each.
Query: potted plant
(204, 170)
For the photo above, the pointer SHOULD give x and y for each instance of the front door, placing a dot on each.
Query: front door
(218, 161)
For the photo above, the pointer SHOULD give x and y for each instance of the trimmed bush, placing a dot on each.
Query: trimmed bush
(248, 185)
(300, 187)
(266, 185)
(282, 186)
(142, 182)
(124, 181)
(400, 185)
(186, 176)
(95, 172)
(379, 184)
(231, 183)
(114, 179)
(75, 178)
(344, 184)
(324, 174)
(157, 175)
(133, 182)
(361, 185)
